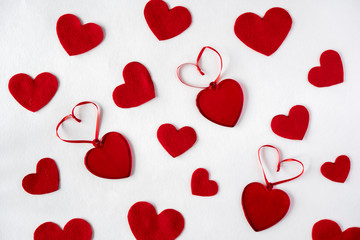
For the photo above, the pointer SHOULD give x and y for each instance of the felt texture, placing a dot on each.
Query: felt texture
(221, 103)
(176, 142)
(75, 229)
(293, 126)
(337, 171)
(112, 159)
(264, 35)
(201, 185)
(264, 207)
(166, 23)
(330, 72)
(145, 224)
(75, 37)
(137, 89)
(33, 94)
(330, 230)
(45, 180)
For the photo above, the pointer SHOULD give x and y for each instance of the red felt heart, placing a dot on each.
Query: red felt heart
(75, 229)
(330, 71)
(338, 171)
(166, 23)
(76, 38)
(264, 35)
(137, 89)
(145, 224)
(264, 207)
(221, 103)
(293, 126)
(330, 230)
(45, 180)
(201, 185)
(112, 159)
(33, 94)
(176, 142)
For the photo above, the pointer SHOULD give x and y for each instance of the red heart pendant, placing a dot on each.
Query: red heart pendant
(330, 230)
(145, 224)
(166, 23)
(338, 171)
(45, 180)
(76, 38)
(201, 185)
(264, 35)
(330, 71)
(33, 94)
(75, 229)
(137, 89)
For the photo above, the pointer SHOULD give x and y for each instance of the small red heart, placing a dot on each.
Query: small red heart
(330, 230)
(33, 94)
(75, 229)
(221, 103)
(137, 89)
(112, 159)
(264, 208)
(264, 35)
(45, 180)
(338, 171)
(330, 71)
(201, 185)
(145, 224)
(176, 142)
(293, 126)
(166, 23)
(76, 38)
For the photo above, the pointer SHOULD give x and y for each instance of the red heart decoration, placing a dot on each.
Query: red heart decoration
(75, 229)
(221, 103)
(76, 38)
(201, 185)
(176, 142)
(338, 171)
(293, 126)
(33, 94)
(145, 224)
(137, 89)
(112, 159)
(330, 71)
(264, 35)
(166, 23)
(264, 207)
(45, 180)
(330, 230)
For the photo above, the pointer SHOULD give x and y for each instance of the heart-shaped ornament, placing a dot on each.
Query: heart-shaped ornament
(337, 171)
(330, 230)
(201, 185)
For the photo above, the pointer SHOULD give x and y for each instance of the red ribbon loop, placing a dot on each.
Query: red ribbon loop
(269, 184)
(199, 69)
(96, 142)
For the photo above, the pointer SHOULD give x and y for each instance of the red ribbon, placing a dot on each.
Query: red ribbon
(199, 69)
(269, 184)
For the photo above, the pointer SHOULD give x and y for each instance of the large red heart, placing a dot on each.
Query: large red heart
(293, 126)
(75, 229)
(264, 207)
(221, 103)
(76, 38)
(201, 185)
(33, 94)
(145, 224)
(330, 72)
(166, 23)
(264, 35)
(137, 89)
(330, 230)
(176, 142)
(45, 180)
(112, 159)
(337, 171)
